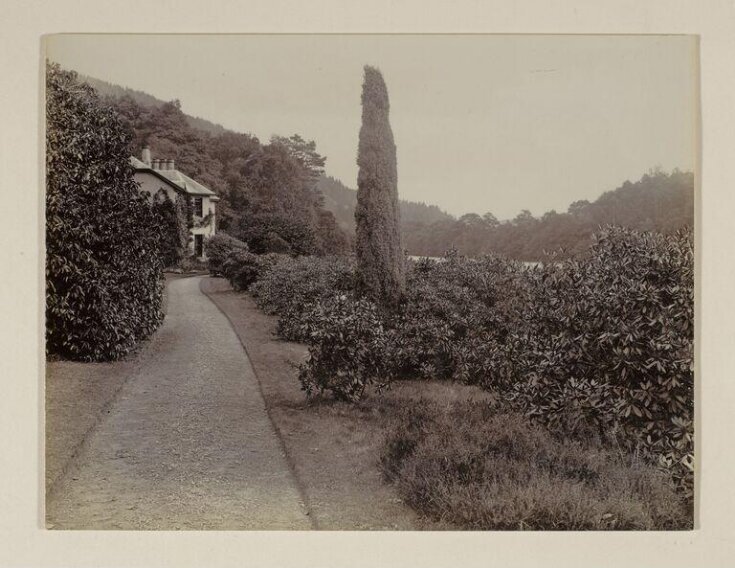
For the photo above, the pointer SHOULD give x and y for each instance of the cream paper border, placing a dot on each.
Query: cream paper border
(23, 541)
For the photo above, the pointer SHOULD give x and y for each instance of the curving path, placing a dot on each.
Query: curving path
(187, 444)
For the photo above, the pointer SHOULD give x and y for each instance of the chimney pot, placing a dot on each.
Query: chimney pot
(146, 156)
(171, 165)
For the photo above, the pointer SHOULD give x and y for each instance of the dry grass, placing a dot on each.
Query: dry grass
(477, 467)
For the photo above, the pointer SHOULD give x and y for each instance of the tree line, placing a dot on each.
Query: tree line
(277, 198)
(341, 201)
(659, 202)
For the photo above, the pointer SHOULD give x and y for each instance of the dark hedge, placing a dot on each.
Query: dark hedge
(103, 266)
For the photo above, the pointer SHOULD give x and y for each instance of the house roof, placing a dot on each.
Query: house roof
(175, 179)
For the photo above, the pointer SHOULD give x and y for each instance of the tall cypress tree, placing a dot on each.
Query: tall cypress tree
(380, 261)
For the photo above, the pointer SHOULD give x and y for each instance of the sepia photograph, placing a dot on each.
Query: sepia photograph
(370, 282)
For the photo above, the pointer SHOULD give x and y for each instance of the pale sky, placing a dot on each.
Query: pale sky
(482, 123)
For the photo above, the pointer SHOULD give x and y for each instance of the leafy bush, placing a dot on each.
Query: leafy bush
(288, 286)
(484, 469)
(608, 342)
(272, 231)
(103, 267)
(219, 248)
(456, 316)
(241, 268)
(191, 263)
(597, 346)
(347, 341)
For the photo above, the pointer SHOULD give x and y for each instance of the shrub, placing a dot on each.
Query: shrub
(347, 341)
(273, 242)
(608, 342)
(288, 286)
(191, 263)
(456, 316)
(241, 268)
(103, 268)
(273, 231)
(219, 248)
(596, 346)
(484, 469)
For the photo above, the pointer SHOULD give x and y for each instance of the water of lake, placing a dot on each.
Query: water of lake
(530, 264)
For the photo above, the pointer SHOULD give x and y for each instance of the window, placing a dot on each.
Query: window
(198, 212)
(199, 245)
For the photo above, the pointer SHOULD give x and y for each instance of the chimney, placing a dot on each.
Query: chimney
(154, 164)
(146, 156)
(170, 164)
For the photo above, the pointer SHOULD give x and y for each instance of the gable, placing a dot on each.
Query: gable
(174, 179)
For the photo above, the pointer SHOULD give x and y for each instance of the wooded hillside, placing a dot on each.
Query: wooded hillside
(110, 90)
(341, 200)
(658, 202)
(276, 196)
(269, 195)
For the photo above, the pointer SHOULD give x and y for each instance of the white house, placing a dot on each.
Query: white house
(155, 175)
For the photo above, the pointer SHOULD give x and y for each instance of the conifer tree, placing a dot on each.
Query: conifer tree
(380, 259)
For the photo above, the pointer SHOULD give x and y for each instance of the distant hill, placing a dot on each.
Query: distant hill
(659, 201)
(117, 92)
(243, 171)
(341, 201)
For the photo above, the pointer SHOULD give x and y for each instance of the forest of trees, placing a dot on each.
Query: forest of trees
(659, 202)
(111, 91)
(341, 201)
(277, 197)
(268, 191)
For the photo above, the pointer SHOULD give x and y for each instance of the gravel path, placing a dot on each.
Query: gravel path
(187, 444)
